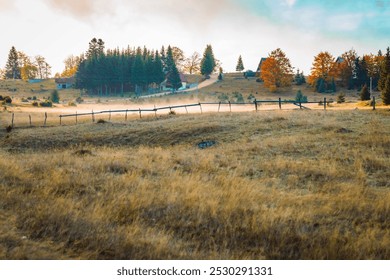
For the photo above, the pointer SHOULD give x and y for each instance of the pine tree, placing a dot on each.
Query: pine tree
(364, 93)
(386, 91)
(240, 64)
(384, 70)
(138, 71)
(208, 61)
(12, 69)
(173, 76)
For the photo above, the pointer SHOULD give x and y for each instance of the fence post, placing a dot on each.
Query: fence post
(60, 119)
(126, 115)
(373, 103)
(280, 103)
(230, 106)
(255, 104)
(200, 105)
(12, 121)
(93, 116)
(29, 116)
(219, 106)
(44, 124)
(140, 116)
(109, 116)
(324, 103)
(76, 118)
(186, 108)
(300, 104)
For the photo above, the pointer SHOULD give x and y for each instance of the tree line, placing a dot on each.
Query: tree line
(115, 71)
(349, 71)
(21, 66)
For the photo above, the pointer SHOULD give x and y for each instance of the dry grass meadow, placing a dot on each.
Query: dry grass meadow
(277, 185)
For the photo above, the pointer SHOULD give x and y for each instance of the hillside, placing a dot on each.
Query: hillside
(277, 185)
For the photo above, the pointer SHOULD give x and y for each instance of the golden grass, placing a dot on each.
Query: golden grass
(278, 185)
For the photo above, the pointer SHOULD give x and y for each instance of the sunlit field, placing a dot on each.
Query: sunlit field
(276, 185)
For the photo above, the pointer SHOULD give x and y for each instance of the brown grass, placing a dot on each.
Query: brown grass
(278, 185)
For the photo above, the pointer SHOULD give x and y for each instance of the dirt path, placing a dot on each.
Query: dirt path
(213, 79)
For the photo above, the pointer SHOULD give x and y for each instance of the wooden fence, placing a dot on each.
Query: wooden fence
(155, 110)
(255, 103)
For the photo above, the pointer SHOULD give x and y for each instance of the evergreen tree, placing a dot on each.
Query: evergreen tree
(386, 91)
(173, 76)
(240, 65)
(208, 61)
(299, 78)
(138, 71)
(320, 85)
(12, 69)
(364, 93)
(384, 70)
(158, 70)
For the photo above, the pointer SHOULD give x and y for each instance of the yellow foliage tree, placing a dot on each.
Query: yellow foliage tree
(324, 67)
(276, 70)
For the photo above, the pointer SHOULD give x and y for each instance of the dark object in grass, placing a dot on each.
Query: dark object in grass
(206, 144)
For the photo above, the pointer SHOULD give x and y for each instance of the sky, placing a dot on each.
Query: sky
(56, 29)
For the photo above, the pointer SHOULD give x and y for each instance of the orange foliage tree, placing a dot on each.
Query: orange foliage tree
(276, 70)
(324, 67)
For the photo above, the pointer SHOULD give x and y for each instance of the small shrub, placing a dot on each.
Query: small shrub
(34, 98)
(238, 96)
(101, 121)
(35, 104)
(341, 98)
(251, 97)
(79, 100)
(223, 97)
(71, 103)
(54, 96)
(46, 103)
(1, 98)
(300, 97)
(172, 113)
(365, 94)
(7, 100)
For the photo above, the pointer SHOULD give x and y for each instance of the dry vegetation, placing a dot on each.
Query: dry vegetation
(277, 185)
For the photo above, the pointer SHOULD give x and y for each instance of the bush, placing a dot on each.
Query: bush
(7, 100)
(300, 97)
(79, 100)
(238, 96)
(71, 103)
(223, 97)
(365, 94)
(341, 98)
(54, 96)
(35, 104)
(46, 103)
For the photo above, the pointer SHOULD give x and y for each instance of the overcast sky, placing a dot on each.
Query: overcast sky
(56, 29)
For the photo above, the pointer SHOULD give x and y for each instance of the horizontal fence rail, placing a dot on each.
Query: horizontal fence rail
(255, 103)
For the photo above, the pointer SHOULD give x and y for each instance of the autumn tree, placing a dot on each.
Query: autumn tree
(12, 68)
(192, 63)
(208, 63)
(71, 64)
(323, 72)
(28, 68)
(240, 64)
(178, 57)
(276, 71)
(43, 68)
(345, 68)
